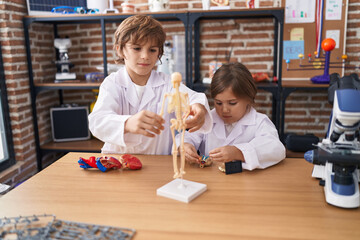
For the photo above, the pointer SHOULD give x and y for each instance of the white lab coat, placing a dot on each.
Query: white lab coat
(254, 134)
(118, 100)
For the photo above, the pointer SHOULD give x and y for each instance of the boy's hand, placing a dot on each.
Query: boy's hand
(145, 122)
(198, 111)
(191, 155)
(226, 154)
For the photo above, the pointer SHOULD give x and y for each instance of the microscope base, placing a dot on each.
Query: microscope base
(65, 76)
(343, 201)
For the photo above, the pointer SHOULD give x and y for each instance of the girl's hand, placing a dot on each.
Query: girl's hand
(191, 155)
(226, 154)
(198, 111)
(145, 123)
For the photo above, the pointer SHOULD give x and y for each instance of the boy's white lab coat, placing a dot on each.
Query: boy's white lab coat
(254, 134)
(118, 100)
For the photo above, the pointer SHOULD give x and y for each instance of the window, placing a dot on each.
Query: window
(7, 157)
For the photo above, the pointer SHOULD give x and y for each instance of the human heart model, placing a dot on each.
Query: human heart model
(105, 163)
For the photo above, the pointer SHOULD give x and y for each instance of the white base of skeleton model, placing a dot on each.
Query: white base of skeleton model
(181, 190)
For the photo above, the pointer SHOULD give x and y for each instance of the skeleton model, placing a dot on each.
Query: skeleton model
(178, 103)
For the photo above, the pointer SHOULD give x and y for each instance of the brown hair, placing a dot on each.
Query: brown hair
(138, 29)
(236, 76)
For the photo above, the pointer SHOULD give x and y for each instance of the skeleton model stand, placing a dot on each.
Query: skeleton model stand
(179, 189)
(178, 103)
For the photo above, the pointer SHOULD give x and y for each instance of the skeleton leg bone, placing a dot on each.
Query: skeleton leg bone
(174, 150)
(182, 153)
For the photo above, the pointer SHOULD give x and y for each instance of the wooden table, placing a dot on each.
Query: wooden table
(281, 202)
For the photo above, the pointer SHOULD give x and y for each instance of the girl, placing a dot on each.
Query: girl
(239, 132)
(125, 114)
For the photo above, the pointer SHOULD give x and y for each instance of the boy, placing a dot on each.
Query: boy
(125, 115)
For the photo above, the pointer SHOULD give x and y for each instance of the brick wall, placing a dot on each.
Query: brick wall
(252, 41)
(17, 82)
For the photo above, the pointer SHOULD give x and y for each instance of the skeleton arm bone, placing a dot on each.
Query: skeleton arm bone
(163, 104)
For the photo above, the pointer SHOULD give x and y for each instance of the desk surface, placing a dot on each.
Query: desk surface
(281, 202)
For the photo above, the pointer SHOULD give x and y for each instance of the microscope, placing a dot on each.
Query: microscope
(63, 65)
(337, 157)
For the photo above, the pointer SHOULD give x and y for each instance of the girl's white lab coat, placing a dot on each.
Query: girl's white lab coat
(118, 100)
(254, 134)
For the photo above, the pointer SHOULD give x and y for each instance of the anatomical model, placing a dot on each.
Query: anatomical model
(178, 103)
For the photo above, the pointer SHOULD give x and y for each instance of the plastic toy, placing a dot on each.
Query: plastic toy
(94, 77)
(106, 163)
(179, 189)
(46, 226)
(130, 162)
(178, 103)
(63, 10)
(220, 2)
(231, 167)
(74, 10)
(259, 77)
(82, 10)
(204, 161)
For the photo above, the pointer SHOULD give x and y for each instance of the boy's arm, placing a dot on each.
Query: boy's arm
(200, 98)
(105, 121)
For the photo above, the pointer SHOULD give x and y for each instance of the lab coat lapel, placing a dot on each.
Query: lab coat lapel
(149, 94)
(147, 97)
(130, 92)
(247, 120)
(218, 127)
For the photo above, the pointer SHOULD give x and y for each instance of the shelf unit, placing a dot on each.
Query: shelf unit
(190, 19)
(92, 145)
(290, 86)
(194, 37)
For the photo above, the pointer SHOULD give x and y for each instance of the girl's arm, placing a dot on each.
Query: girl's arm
(265, 149)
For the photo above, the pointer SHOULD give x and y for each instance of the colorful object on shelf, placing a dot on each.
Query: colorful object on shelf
(259, 77)
(127, 7)
(94, 77)
(96, 94)
(130, 162)
(252, 3)
(83, 10)
(213, 66)
(74, 10)
(204, 161)
(328, 44)
(63, 10)
(220, 2)
(319, 63)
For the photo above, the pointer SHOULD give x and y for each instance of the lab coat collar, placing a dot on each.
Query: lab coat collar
(219, 125)
(156, 79)
(131, 95)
